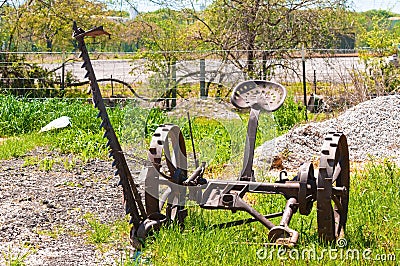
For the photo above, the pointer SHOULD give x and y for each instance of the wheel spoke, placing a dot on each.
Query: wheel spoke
(338, 204)
(336, 174)
(168, 153)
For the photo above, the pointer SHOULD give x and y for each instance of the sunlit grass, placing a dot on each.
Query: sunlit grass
(372, 231)
(373, 224)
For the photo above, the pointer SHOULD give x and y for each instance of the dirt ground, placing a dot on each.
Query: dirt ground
(42, 213)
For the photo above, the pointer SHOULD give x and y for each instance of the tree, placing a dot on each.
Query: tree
(375, 30)
(50, 27)
(45, 25)
(260, 29)
(164, 37)
(39, 25)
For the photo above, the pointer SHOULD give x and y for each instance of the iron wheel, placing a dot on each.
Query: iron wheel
(333, 185)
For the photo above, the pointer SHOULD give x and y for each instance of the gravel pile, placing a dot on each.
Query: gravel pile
(372, 129)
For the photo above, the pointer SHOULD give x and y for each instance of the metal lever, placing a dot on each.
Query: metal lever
(97, 31)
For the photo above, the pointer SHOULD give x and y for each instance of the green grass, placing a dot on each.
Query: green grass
(373, 228)
(54, 233)
(373, 224)
(16, 259)
(22, 118)
(290, 114)
(107, 234)
(19, 146)
(99, 232)
(219, 142)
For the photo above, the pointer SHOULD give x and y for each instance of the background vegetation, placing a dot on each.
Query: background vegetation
(223, 25)
(244, 33)
(373, 220)
(22, 118)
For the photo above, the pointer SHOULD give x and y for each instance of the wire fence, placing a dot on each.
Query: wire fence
(332, 74)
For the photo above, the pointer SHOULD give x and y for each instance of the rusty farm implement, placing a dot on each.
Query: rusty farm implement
(169, 168)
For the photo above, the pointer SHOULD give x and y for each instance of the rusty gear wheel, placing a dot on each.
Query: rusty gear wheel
(167, 153)
(333, 187)
(306, 176)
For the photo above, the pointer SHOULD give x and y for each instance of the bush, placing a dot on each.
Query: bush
(290, 114)
(25, 79)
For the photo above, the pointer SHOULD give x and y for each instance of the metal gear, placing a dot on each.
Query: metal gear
(167, 153)
(306, 176)
(333, 185)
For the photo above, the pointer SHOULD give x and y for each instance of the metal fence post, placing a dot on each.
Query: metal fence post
(315, 81)
(173, 94)
(203, 93)
(112, 86)
(63, 71)
(63, 76)
(303, 61)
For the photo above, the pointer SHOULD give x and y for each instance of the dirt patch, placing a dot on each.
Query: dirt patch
(42, 213)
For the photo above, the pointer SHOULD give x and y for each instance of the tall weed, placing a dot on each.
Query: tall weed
(290, 114)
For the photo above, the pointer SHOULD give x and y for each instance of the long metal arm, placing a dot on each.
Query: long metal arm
(133, 202)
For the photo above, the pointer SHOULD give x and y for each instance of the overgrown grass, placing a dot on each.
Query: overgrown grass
(290, 114)
(371, 238)
(218, 141)
(22, 118)
(373, 224)
(18, 146)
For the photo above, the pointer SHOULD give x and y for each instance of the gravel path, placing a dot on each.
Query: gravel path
(41, 213)
(372, 129)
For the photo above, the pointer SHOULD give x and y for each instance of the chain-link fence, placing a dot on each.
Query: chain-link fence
(335, 75)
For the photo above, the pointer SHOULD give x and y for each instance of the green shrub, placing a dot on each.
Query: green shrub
(290, 114)
(155, 118)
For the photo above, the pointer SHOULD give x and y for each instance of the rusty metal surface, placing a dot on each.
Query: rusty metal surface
(282, 234)
(170, 164)
(167, 153)
(333, 187)
(133, 202)
(168, 184)
(257, 95)
(301, 192)
(247, 171)
(306, 197)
